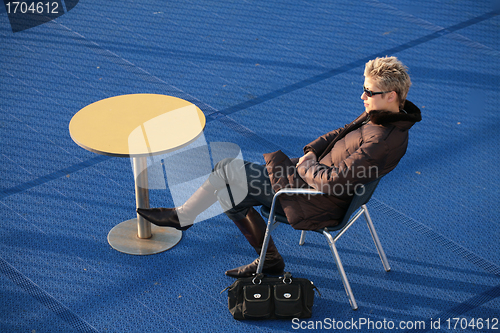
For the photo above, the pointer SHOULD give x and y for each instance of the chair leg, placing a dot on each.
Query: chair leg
(380, 250)
(270, 227)
(302, 237)
(340, 268)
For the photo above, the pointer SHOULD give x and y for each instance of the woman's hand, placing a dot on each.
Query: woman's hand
(310, 156)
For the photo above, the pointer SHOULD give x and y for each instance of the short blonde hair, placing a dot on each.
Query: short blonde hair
(390, 75)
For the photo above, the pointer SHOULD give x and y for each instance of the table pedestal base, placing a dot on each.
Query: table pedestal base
(123, 237)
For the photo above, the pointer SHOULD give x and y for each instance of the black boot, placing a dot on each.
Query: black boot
(183, 217)
(253, 228)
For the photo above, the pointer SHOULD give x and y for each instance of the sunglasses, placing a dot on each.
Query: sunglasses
(370, 93)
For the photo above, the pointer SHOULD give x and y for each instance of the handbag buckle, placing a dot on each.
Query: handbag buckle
(287, 279)
(258, 277)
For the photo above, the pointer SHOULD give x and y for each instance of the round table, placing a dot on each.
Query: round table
(138, 126)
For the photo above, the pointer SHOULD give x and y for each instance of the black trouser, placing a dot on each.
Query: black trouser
(241, 185)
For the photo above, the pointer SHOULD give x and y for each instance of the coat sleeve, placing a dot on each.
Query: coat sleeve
(361, 167)
(319, 145)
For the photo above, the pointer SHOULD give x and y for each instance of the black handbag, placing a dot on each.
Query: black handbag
(262, 297)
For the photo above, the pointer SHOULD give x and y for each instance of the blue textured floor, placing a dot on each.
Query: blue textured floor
(268, 75)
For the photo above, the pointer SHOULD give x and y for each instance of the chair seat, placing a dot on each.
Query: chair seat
(266, 211)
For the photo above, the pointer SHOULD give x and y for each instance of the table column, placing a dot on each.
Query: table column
(142, 195)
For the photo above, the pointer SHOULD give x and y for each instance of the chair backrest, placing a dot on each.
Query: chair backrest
(361, 197)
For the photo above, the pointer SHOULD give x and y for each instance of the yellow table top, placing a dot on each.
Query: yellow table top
(137, 125)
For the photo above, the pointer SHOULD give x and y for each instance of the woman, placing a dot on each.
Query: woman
(335, 163)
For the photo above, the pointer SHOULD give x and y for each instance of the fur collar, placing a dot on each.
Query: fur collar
(410, 113)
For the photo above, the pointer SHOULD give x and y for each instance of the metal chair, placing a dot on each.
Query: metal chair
(358, 204)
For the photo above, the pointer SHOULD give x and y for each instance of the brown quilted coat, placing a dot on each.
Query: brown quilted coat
(368, 148)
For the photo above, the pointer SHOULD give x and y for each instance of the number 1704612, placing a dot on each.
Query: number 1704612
(16, 7)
